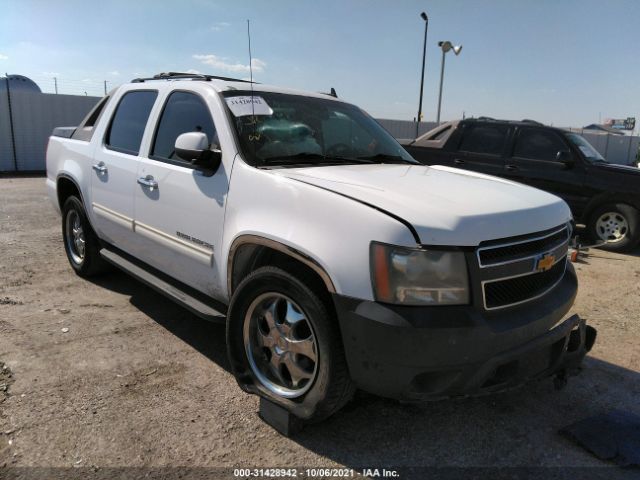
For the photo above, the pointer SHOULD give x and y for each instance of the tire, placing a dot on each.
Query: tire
(617, 223)
(85, 261)
(251, 331)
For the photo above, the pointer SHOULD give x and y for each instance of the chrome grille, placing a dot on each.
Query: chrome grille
(523, 288)
(521, 269)
(523, 248)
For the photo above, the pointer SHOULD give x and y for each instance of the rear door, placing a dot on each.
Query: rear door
(534, 161)
(115, 166)
(482, 148)
(179, 221)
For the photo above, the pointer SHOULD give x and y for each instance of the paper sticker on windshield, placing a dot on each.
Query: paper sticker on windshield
(248, 105)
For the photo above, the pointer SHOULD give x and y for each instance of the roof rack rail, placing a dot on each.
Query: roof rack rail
(187, 76)
(491, 119)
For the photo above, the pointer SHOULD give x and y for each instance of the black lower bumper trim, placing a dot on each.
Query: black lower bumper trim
(424, 353)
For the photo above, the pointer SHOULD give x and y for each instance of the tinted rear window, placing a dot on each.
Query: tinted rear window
(487, 139)
(129, 121)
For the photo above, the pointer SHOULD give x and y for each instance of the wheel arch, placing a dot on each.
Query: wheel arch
(66, 186)
(249, 252)
(605, 199)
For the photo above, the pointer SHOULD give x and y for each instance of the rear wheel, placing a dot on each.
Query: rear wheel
(284, 345)
(80, 241)
(617, 224)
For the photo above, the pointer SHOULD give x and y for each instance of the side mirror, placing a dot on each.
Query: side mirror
(189, 146)
(194, 147)
(565, 157)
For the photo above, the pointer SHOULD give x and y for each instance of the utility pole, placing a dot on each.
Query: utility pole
(424, 54)
(55, 84)
(441, 80)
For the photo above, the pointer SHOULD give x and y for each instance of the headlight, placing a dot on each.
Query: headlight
(411, 276)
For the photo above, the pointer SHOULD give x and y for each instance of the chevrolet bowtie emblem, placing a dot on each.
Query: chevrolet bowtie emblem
(545, 262)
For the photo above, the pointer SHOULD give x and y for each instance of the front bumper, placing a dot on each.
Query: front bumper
(421, 353)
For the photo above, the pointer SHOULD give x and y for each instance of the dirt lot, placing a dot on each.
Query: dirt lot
(137, 381)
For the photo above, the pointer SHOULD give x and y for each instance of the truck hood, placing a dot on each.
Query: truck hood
(446, 206)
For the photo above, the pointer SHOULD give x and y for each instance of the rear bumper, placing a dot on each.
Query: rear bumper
(421, 353)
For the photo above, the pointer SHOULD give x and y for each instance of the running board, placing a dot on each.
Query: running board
(189, 302)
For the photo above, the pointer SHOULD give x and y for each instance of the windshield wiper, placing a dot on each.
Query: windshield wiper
(387, 158)
(311, 159)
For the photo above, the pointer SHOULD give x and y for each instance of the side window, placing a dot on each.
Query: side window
(485, 139)
(129, 121)
(85, 130)
(538, 145)
(183, 112)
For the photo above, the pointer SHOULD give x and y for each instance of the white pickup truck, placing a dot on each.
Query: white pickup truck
(335, 259)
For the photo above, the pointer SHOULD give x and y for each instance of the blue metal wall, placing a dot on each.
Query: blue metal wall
(34, 115)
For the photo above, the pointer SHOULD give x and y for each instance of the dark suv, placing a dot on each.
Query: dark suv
(603, 196)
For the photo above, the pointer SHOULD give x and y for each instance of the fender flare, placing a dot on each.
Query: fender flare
(275, 245)
(66, 176)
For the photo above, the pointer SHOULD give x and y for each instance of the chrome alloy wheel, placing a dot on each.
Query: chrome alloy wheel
(612, 227)
(75, 237)
(280, 345)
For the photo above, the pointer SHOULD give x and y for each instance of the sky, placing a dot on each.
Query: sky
(562, 62)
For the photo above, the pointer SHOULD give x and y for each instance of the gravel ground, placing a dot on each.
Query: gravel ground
(108, 373)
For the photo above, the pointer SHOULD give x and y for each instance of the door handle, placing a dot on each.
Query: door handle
(511, 168)
(101, 168)
(459, 161)
(148, 182)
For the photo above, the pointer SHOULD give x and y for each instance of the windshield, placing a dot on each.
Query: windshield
(282, 129)
(585, 147)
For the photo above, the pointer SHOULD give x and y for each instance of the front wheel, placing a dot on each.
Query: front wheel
(284, 345)
(617, 224)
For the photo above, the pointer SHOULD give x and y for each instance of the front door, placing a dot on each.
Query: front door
(115, 166)
(534, 161)
(180, 211)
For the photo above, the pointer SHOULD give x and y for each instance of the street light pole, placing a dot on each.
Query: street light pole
(441, 81)
(445, 46)
(424, 55)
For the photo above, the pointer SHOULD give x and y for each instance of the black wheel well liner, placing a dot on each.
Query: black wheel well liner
(66, 187)
(250, 252)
